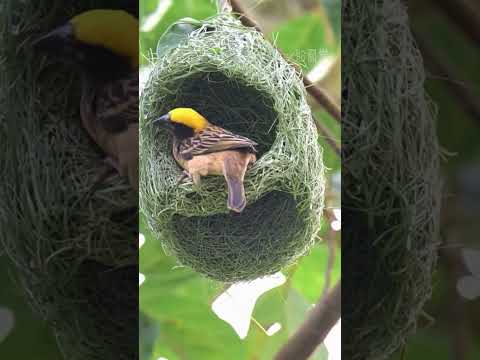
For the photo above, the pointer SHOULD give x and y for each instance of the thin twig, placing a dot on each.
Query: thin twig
(328, 136)
(330, 262)
(247, 21)
(330, 240)
(464, 95)
(320, 96)
(314, 330)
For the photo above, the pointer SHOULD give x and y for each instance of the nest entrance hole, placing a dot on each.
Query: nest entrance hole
(228, 103)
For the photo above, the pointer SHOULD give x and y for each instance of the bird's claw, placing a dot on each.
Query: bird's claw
(185, 175)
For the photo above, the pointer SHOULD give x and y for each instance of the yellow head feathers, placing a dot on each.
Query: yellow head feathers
(189, 118)
(115, 30)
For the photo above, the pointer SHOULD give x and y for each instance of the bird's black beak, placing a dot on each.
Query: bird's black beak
(165, 122)
(162, 119)
(57, 40)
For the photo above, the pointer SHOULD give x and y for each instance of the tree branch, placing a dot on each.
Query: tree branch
(320, 96)
(314, 330)
(247, 21)
(330, 239)
(464, 14)
(328, 136)
(464, 95)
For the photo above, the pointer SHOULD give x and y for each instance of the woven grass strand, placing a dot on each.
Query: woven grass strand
(239, 81)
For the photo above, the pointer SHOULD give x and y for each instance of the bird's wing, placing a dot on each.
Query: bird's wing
(214, 139)
(110, 115)
(117, 105)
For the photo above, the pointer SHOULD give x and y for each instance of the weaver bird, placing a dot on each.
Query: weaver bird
(103, 45)
(203, 149)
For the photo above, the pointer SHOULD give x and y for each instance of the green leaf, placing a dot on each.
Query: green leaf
(283, 305)
(304, 40)
(176, 34)
(309, 276)
(178, 9)
(297, 308)
(269, 309)
(179, 299)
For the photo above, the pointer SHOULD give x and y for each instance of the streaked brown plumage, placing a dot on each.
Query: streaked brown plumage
(101, 43)
(203, 149)
(109, 113)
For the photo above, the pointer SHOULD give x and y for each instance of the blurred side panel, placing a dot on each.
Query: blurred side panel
(69, 200)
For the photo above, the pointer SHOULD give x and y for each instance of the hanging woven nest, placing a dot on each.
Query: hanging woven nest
(239, 81)
(390, 180)
(72, 252)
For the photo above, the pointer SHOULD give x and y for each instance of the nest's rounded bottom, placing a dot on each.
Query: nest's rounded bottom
(234, 247)
(95, 311)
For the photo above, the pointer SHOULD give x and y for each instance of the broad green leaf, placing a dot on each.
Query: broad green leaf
(176, 10)
(304, 40)
(206, 341)
(285, 306)
(297, 308)
(163, 350)
(270, 309)
(176, 34)
(179, 299)
(309, 276)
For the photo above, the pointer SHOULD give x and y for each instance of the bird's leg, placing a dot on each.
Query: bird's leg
(196, 178)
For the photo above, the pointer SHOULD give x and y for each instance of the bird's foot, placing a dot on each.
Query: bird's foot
(185, 175)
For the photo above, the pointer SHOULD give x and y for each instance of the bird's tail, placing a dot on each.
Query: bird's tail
(236, 192)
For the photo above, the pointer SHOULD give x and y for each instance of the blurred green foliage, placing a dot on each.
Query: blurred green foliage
(30, 337)
(304, 39)
(178, 300)
(172, 11)
(458, 131)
